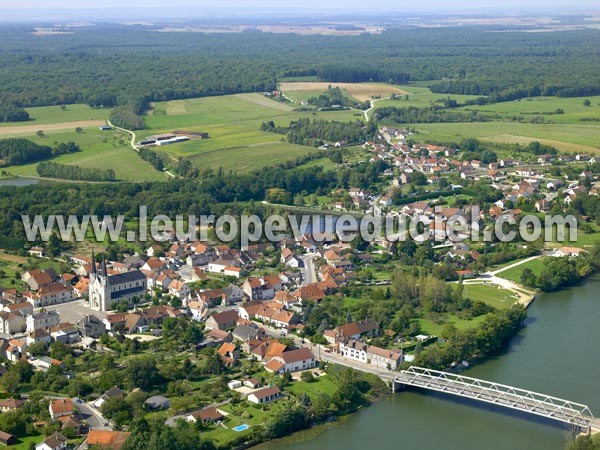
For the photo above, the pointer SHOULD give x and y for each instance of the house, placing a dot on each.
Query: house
(36, 278)
(245, 332)
(51, 294)
(42, 320)
(206, 415)
(61, 407)
(252, 383)
(198, 310)
(229, 353)
(157, 402)
(10, 404)
(38, 252)
(110, 440)
(354, 349)
(231, 271)
(265, 395)
(91, 326)
(355, 330)
(569, 251)
(11, 323)
(15, 349)
(383, 358)
(7, 439)
(291, 361)
(55, 442)
(114, 392)
(223, 320)
(179, 289)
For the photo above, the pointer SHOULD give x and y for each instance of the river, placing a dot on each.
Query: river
(18, 181)
(556, 354)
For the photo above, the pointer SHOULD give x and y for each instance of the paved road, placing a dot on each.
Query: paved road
(93, 417)
(308, 271)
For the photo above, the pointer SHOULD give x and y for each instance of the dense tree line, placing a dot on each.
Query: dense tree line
(128, 115)
(318, 131)
(559, 273)
(70, 172)
(15, 151)
(432, 114)
(107, 65)
(335, 97)
(152, 157)
(486, 339)
(215, 193)
(10, 113)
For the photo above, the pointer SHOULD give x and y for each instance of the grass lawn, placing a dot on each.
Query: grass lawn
(25, 442)
(244, 413)
(491, 295)
(514, 274)
(428, 326)
(99, 150)
(54, 114)
(321, 385)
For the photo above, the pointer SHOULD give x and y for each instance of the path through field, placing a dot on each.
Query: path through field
(30, 129)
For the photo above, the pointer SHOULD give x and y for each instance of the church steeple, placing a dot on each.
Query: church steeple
(93, 271)
(103, 268)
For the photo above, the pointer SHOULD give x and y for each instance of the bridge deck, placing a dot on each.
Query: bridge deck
(499, 394)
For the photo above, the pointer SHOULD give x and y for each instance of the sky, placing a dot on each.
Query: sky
(312, 5)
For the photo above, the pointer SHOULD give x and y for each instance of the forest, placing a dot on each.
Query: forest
(319, 131)
(71, 172)
(108, 65)
(334, 97)
(218, 192)
(432, 114)
(10, 113)
(16, 151)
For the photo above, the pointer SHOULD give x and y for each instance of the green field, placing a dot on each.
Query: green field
(433, 328)
(233, 123)
(573, 108)
(99, 150)
(566, 137)
(514, 274)
(563, 131)
(55, 114)
(494, 296)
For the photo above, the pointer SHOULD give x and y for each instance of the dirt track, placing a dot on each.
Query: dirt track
(31, 129)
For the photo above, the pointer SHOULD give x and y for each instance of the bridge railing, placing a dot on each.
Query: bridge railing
(501, 394)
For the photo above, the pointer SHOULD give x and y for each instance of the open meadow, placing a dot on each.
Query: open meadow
(233, 123)
(99, 150)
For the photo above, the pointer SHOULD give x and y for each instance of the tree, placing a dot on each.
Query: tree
(142, 373)
(587, 103)
(40, 133)
(78, 130)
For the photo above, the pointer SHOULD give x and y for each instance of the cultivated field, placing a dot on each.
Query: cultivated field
(566, 131)
(360, 91)
(99, 150)
(43, 115)
(47, 128)
(233, 124)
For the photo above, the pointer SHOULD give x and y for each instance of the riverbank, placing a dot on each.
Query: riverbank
(547, 355)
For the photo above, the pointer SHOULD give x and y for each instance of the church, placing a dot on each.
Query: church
(105, 289)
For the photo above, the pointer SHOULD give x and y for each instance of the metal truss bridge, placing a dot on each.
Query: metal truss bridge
(572, 413)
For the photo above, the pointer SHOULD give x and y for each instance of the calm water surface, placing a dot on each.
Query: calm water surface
(556, 354)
